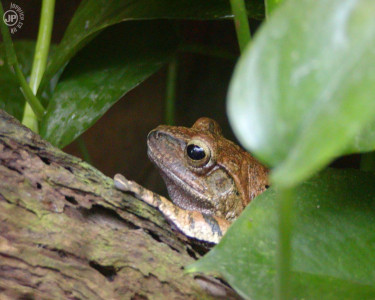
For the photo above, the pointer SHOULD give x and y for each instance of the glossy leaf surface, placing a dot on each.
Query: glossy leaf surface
(95, 15)
(332, 245)
(303, 92)
(114, 63)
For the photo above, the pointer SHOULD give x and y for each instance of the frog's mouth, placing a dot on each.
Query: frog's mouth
(167, 153)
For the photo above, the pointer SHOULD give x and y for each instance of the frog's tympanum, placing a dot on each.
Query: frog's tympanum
(209, 179)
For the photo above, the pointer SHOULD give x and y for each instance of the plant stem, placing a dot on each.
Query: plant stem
(40, 57)
(208, 50)
(241, 23)
(285, 226)
(84, 151)
(170, 97)
(14, 65)
(42, 44)
(285, 215)
(30, 97)
(368, 162)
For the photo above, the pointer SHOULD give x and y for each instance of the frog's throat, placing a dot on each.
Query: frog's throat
(186, 198)
(189, 199)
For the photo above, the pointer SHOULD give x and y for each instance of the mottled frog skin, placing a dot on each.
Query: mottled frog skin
(209, 178)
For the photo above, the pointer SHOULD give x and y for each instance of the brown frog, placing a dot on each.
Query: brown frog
(209, 178)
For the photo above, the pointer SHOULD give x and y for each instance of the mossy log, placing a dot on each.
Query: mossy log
(66, 233)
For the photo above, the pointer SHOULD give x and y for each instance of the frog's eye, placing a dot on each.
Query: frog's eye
(198, 153)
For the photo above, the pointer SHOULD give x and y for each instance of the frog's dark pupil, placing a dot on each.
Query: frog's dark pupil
(195, 152)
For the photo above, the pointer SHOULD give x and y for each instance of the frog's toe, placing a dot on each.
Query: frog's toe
(121, 183)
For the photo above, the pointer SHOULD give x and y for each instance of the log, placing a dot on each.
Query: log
(66, 233)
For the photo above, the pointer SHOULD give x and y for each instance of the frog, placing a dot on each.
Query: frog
(209, 179)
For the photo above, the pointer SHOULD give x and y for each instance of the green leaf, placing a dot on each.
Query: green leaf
(114, 63)
(305, 88)
(364, 141)
(95, 15)
(11, 97)
(271, 5)
(332, 246)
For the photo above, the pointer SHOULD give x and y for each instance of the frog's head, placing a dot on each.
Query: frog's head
(203, 171)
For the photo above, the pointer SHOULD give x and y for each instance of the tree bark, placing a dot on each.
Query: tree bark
(66, 233)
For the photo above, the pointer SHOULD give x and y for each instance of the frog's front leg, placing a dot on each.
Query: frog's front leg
(192, 223)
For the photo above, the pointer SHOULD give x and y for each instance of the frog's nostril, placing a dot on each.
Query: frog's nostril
(153, 134)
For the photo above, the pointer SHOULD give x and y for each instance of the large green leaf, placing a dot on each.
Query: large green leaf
(333, 241)
(11, 98)
(95, 15)
(114, 63)
(305, 88)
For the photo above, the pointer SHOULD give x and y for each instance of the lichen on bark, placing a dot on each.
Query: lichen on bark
(66, 233)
